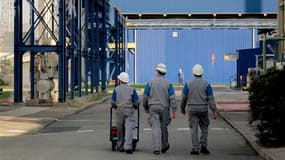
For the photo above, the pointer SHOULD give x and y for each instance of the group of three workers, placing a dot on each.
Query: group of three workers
(159, 102)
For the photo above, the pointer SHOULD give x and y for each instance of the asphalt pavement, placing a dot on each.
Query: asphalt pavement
(20, 123)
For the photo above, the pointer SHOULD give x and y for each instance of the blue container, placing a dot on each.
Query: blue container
(246, 59)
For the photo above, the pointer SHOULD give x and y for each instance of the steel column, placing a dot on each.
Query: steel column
(117, 45)
(96, 47)
(86, 44)
(103, 46)
(61, 52)
(18, 28)
(92, 40)
(32, 54)
(79, 3)
(72, 50)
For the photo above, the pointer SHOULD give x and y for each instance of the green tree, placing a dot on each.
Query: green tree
(267, 101)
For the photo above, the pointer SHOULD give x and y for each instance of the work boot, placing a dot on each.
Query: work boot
(120, 149)
(204, 150)
(164, 150)
(129, 151)
(194, 152)
(156, 152)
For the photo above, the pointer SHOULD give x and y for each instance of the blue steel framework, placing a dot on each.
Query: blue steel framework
(93, 47)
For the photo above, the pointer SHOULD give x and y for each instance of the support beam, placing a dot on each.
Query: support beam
(61, 52)
(92, 41)
(79, 3)
(104, 46)
(32, 54)
(96, 47)
(86, 44)
(18, 28)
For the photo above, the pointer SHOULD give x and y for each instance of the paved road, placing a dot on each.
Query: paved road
(86, 136)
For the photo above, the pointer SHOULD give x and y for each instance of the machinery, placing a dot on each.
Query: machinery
(252, 73)
(46, 79)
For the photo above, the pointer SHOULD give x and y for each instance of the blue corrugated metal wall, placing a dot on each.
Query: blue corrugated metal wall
(191, 46)
(130, 57)
(151, 47)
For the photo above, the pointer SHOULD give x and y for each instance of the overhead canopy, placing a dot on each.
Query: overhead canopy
(196, 6)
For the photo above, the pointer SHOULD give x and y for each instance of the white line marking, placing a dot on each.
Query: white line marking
(183, 129)
(81, 120)
(220, 129)
(147, 129)
(85, 131)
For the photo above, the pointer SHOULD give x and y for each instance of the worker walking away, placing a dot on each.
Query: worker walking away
(158, 98)
(197, 95)
(180, 77)
(125, 100)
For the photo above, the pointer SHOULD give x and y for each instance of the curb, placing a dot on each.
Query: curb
(267, 155)
(67, 115)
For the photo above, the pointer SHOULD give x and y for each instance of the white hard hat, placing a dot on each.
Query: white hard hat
(124, 77)
(161, 67)
(197, 70)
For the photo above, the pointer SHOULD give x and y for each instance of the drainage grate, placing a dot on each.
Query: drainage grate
(243, 154)
(60, 129)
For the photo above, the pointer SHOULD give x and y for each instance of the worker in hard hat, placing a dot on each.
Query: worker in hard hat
(125, 100)
(158, 98)
(197, 95)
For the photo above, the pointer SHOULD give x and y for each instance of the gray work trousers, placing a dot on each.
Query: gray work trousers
(159, 119)
(125, 125)
(200, 119)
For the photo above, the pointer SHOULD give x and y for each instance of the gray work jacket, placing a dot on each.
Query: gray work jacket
(125, 98)
(159, 92)
(197, 94)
